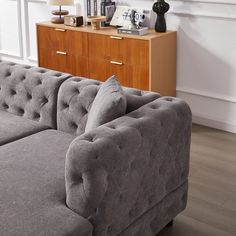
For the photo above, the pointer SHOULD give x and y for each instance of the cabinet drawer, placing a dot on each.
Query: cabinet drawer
(48, 58)
(51, 38)
(63, 61)
(128, 75)
(116, 48)
(58, 39)
(129, 51)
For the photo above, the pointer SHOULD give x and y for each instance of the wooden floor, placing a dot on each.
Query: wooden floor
(211, 209)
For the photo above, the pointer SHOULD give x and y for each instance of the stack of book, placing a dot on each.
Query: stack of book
(94, 7)
(101, 8)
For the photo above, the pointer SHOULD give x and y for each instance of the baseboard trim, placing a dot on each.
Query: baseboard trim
(208, 94)
(213, 123)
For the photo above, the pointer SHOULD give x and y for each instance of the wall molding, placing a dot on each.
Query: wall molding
(19, 55)
(206, 94)
(191, 14)
(222, 2)
(202, 119)
(198, 12)
(27, 29)
(36, 1)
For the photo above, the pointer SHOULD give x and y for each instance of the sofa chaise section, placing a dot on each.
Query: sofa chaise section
(129, 176)
(33, 188)
(28, 100)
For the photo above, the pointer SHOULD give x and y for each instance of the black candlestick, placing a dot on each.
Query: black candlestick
(160, 8)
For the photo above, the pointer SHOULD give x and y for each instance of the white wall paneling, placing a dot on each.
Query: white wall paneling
(206, 69)
(17, 28)
(11, 29)
(32, 8)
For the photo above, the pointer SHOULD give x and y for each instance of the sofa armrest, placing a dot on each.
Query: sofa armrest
(118, 171)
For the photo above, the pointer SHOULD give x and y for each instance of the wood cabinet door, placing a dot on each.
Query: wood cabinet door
(51, 38)
(129, 51)
(51, 60)
(63, 50)
(126, 58)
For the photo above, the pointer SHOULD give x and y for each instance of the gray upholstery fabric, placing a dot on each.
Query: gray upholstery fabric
(109, 104)
(137, 98)
(76, 96)
(30, 92)
(32, 188)
(160, 215)
(13, 127)
(120, 170)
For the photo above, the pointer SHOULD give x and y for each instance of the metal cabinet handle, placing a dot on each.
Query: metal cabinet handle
(116, 37)
(61, 30)
(61, 53)
(116, 63)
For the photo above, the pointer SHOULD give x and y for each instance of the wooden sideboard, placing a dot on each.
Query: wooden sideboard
(145, 62)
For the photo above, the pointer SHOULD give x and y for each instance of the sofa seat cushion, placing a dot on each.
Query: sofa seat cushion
(32, 188)
(13, 127)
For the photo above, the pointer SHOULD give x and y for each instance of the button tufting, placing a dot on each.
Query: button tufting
(39, 81)
(23, 78)
(84, 110)
(13, 92)
(42, 71)
(29, 96)
(36, 115)
(21, 111)
(80, 179)
(27, 67)
(109, 229)
(76, 90)
(131, 213)
(8, 74)
(58, 75)
(45, 100)
(73, 125)
(154, 106)
(5, 106)
(169, 99)
(65, 105)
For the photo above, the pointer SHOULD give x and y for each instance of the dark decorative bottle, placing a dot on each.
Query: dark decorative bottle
(160, 8)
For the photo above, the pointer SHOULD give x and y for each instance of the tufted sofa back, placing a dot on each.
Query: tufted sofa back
(30, 92)
(76, 96)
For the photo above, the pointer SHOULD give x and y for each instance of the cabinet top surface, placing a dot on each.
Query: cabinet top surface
(106, 31)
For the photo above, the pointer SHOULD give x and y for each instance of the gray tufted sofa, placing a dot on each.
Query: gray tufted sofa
(127, 177)
(27, 92)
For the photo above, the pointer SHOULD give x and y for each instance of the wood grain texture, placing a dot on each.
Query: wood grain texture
(128, 59)
(144, 62)
(163, 65)
(72, 46)
(211, 209)
(106, 31)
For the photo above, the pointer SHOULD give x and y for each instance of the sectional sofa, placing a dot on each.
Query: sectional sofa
(126, 177)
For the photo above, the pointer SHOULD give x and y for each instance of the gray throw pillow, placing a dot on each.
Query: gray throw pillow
(109, 104)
